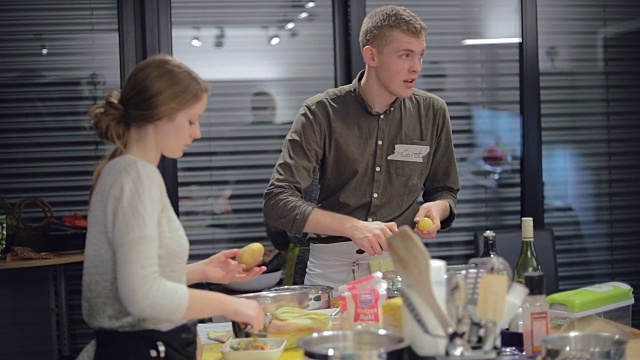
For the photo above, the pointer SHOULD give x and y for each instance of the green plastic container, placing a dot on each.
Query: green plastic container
(611, 300)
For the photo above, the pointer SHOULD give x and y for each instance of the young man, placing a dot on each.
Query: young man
(377, 143)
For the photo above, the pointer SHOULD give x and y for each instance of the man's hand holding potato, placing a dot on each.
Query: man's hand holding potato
(428, 218)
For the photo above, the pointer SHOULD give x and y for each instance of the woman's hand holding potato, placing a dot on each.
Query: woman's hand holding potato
(221, 268)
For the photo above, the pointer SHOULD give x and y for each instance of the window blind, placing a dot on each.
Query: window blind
(589, 61)
(257, 88)
(480, 84)
(57, 59)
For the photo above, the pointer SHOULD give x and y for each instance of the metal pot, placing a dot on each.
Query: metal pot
(353, 345)
(320, 296)
(583, 346)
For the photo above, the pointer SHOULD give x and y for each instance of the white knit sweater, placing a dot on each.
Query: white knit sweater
(136, 252)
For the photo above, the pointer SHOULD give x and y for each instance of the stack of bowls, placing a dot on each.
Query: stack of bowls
(270, 301)
(320, 296)
(588, 346)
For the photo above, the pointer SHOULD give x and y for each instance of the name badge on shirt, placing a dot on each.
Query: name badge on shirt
(413, 153)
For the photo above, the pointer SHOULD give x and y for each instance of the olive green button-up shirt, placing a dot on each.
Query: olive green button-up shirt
(372, 166)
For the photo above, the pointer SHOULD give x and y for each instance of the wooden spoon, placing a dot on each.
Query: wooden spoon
(413, 263)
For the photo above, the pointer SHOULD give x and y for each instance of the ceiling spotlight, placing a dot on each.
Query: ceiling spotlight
(44, 50)
(303, 15)
(290, 25)
(195, 41)
(310, 4)
(219, 38)
(274, 40)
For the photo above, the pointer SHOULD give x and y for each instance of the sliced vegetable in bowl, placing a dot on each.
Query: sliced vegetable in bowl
(253, 349)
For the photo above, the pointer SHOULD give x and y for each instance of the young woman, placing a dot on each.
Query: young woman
(135, 292)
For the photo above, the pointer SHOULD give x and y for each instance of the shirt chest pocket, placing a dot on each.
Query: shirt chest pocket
(410, 160)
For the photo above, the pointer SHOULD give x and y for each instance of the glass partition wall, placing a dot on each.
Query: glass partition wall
(56, 63)
(262, 60)
(472, 62)
(589, 74)
(56, 60)
(259, 84)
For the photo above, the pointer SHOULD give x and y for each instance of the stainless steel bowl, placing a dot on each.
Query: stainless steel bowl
(583, 346)
(354, 345)
(270, 301)
(320, 296)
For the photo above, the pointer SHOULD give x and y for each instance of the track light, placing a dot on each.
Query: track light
(44, 50)
(219, 38)
(195, 41)
(310, 4)
(290, 25)
(303, 15)
(491, 41)
(274, 40)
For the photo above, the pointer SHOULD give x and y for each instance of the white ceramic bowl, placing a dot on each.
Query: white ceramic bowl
(276, 347)
(263, 281)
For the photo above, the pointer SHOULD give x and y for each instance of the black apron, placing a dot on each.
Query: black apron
(178, 343)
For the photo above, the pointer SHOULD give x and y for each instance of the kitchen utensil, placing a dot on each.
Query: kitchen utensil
(515, 298)
(247, 331)
(270, 301)
(472, 282)
(455, 347)
(419, 312)
(412, 261)
(478, 268)
(320, 296)
(493, 265)
(456, 297)
(354, 345)
(492, 294)
(583, 346)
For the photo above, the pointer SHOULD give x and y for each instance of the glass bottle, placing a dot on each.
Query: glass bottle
(535, 313)
(527, 261)
(489, 244)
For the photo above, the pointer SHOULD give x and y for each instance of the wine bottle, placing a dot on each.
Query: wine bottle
(489, 244)
(527, 261)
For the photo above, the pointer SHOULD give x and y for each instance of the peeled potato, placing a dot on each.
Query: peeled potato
(250, 255)
(424, 224)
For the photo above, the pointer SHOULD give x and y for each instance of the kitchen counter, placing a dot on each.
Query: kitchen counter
(35, 287)
(61, 259)
(212, 352)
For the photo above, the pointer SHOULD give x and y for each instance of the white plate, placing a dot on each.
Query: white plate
(263, 281)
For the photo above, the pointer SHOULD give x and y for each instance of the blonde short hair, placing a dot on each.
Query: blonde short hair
(380, 22)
